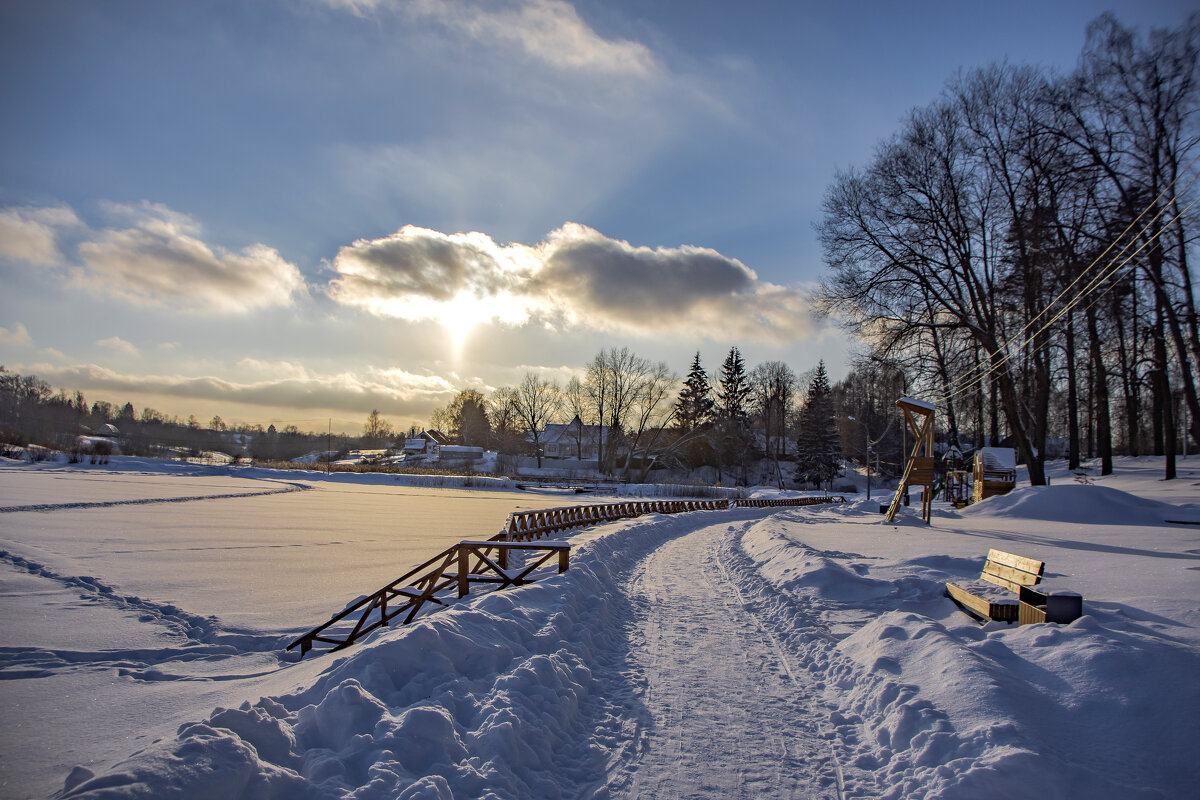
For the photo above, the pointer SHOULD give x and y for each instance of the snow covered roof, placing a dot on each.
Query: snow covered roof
(569, 431)
(911, 401)
(997, 458)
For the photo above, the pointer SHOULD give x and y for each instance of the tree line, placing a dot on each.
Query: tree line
(650, 418)
(33, 412)
(1019, 252)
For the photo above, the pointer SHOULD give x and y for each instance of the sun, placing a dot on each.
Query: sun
(459, 316)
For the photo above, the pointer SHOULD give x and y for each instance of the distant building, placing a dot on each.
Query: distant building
(459, 454)
(426, 443)
(573, 440)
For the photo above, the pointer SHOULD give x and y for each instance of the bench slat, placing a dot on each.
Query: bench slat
(1006, 570)
(975, 603)
(1008, 577)
(1017, 562)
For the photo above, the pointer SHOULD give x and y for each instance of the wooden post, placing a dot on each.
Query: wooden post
(464, 569)
(918, 415)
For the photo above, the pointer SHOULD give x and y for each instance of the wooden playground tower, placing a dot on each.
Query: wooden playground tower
(918, 414)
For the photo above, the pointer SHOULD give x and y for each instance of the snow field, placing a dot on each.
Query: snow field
(516, 694)
(754, 652)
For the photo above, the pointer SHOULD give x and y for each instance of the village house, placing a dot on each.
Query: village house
(573, 440)
(425, 443)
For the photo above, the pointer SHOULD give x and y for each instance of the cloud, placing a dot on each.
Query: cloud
(552, 120)
(577, 277)
(18, 335)
(156, 261)
(417, 273)
(277, 369)
(31, 234)
(550, 31)
(547, 31)
(160, 262)
(392, 391)
(119, 344)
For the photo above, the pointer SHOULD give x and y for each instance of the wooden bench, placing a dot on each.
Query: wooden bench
(1004, 574)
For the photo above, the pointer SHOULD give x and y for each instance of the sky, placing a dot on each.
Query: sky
(297, 211)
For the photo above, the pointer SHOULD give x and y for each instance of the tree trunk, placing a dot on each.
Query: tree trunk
(1072, 397)
(1164, 407)
(1100, 396)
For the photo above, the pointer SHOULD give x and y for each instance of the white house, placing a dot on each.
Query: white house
(573, 440)
(425, 442)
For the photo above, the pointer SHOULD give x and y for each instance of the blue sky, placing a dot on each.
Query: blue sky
(286, 211)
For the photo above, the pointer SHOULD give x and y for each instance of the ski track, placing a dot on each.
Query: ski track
(727, 714)
(43, 507)
(200, 638)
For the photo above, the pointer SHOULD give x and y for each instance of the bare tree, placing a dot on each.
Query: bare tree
(376, 429)
(506, 423)
(612, 380)
(577, 404)
(536, 402)
(652, 411)
(773, 387)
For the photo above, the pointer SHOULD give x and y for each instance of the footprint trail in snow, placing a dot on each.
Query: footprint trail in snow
(728, 715)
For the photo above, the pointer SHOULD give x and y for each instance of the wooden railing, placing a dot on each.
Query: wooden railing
(454, 570)
(526, 525)
(788, 501)
(451, 572)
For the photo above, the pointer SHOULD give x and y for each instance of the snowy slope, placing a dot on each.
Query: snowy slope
(806, 652)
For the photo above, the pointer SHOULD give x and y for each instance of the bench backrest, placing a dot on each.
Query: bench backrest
(1011, 571)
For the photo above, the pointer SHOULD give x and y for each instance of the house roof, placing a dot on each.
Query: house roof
(435, 436)
(570, 430)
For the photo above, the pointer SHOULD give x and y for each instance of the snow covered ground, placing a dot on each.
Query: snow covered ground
(744, 653)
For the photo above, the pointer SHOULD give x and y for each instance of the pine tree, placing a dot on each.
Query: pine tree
(819, 448)
(732, 419)
(734, 388)
(695, 404)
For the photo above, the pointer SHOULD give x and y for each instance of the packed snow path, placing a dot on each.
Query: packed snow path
(729, 715)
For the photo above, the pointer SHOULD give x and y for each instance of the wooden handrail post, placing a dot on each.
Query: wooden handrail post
(564, 559)
(464, 568)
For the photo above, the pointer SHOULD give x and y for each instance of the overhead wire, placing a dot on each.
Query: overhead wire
(1113, 266)
(1072, 303)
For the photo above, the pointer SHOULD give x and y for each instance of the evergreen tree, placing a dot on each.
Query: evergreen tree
(819, 447)
(733, 421)
(734, 388)
(695, 404)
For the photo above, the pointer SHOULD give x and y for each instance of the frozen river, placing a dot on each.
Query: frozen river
(277, 554)
(165, 588)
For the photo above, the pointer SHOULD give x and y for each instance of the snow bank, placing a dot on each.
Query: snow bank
(493, 698)
(1078, 503)
(932, 705)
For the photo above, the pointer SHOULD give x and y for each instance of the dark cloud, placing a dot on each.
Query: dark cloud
(576, 278)
(611, 280)
(420, 263)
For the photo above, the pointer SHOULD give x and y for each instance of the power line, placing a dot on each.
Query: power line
(1113, 266)
(1095, 282)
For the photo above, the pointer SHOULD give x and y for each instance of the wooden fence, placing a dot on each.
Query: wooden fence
(788, 501)
(452, 571)
(510, 558)
(527, 525)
